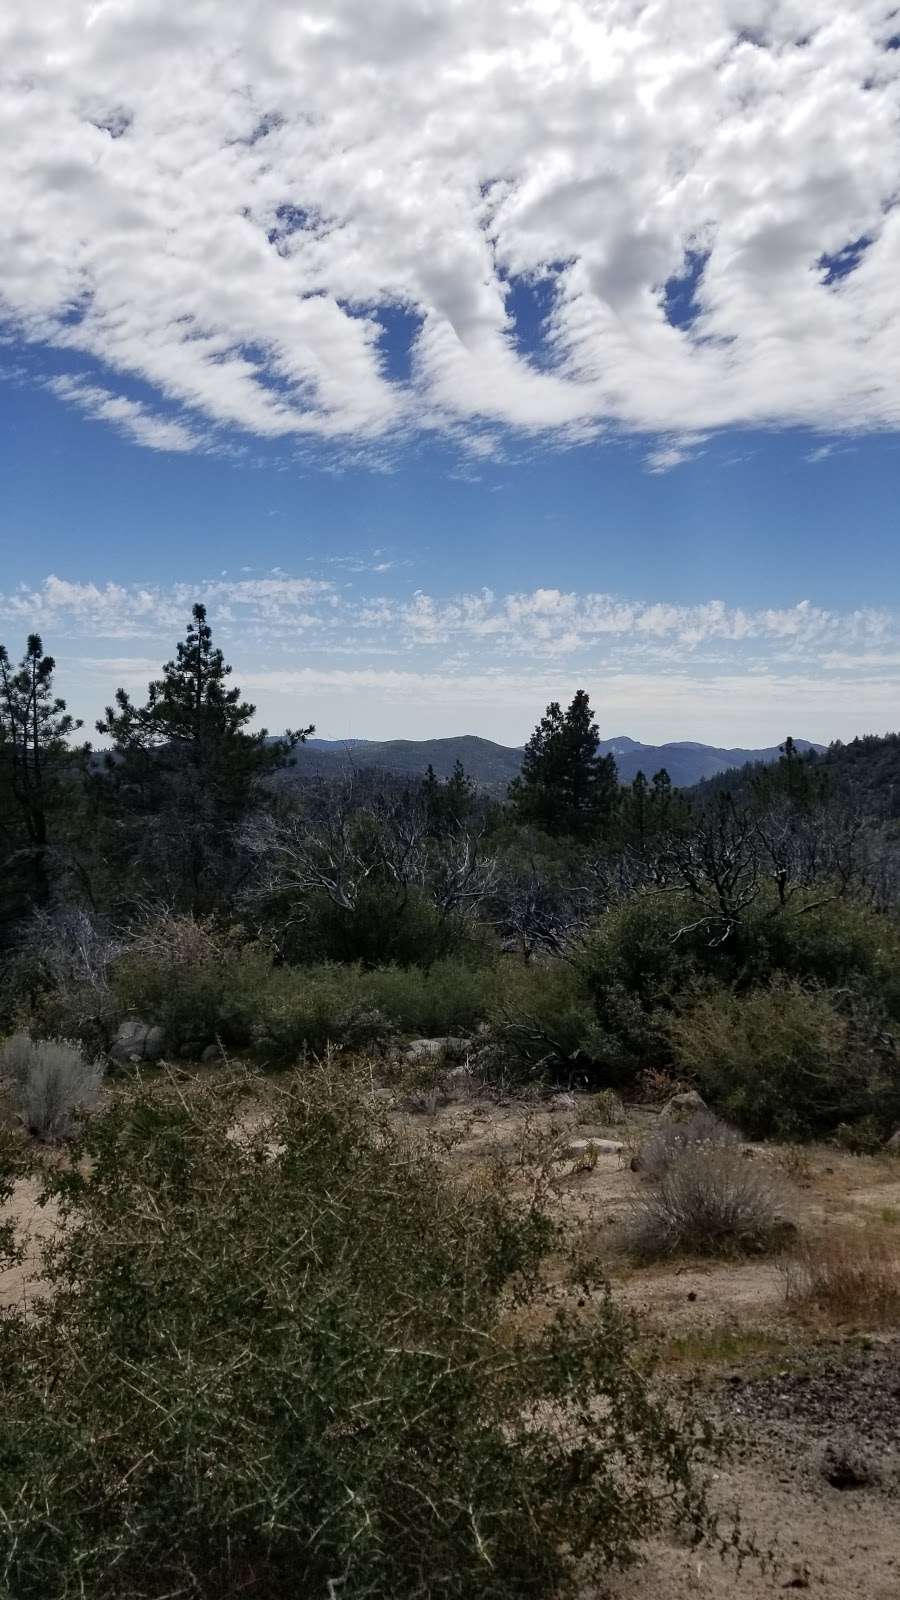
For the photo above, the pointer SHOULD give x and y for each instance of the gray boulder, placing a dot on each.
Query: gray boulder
(444, 1049)
(138, 1041)
(893, 1143)
(682, 1106)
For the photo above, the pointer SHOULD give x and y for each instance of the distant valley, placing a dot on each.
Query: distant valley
(493, 766)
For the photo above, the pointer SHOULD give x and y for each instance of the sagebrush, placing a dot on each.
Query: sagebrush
(710, 1201)
(671, 1138)
(54, 1080)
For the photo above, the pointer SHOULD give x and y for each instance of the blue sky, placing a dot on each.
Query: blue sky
(443, 408)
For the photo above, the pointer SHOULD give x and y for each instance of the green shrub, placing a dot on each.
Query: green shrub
(785, 1060)
(300, 1010)
(386, 925)
(637, 949)
(13, 1165)
(641, 957)
(194, 981)
(864, 1137)
(839, 942)
(655, 944)
(302, 1361)
(541, 1008)
(444, 998)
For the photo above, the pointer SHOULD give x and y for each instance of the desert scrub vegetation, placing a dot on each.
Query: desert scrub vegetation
(787, 1060)
(849, 1275)
(670, 1139)
(710, 1200)
(299, 1359)
(53, 1080)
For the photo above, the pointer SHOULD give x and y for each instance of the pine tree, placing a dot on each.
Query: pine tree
(566, 786)
(35, 763)
(450, 804)
(186, 763)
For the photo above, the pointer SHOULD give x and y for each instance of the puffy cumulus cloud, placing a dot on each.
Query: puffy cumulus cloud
(291, 614)
(307, 220)
(417, 665)
(121, 611)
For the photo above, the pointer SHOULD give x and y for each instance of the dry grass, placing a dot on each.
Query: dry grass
(605, 1109)
(848, 1276)
(794, 1161)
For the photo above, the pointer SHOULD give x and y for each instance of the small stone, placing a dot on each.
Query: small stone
(213, 1052)
(563, 1102)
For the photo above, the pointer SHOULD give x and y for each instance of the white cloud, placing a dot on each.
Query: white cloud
(416, 665)
(226, 201)
(288, 613)
(135, 420)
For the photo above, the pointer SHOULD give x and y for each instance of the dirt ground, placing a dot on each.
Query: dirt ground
(799, 1397)
(802, 1398)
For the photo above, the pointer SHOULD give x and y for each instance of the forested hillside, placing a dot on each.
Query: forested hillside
(284, 1335)
(494, 766)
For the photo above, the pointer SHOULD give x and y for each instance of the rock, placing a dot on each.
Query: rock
(213, 1052)
(437, 1049)
(603, 1147)
(846, 1468)
(893, 1143)
(682, 1106)
(563, 1102)
(138, 1041)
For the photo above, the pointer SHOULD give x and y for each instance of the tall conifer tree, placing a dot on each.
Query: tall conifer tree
(566, 785)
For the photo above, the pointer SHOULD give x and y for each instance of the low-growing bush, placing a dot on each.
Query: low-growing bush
(306, 1010)
(847, 1276)
(54, 1080)
(303, 1361)
(388, 923)
(709, 1201)
(786, 1060)
(57, 985)
(605, 1107)
(443, 999)
(671, 1138)
(641, 957)
(540, 1009)
(862, 1138)
(12, 1167)
(194, 980)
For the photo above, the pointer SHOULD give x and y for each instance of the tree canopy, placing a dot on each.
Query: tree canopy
(566, 785)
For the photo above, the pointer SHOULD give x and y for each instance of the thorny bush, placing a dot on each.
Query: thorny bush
(291, 1356)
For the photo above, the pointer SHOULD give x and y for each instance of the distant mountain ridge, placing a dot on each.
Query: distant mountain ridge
(493, 766)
